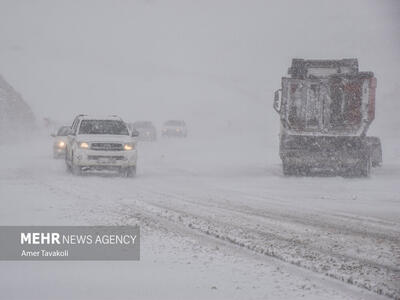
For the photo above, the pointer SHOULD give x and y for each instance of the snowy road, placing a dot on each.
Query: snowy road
(214, 222)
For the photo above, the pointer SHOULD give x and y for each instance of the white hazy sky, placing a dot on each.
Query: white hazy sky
(213, 59)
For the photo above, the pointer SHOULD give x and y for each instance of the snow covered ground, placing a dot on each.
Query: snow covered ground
(218, 221)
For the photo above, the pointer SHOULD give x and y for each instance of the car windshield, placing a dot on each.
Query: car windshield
(63, 131)
(174, 123)
(103, 127)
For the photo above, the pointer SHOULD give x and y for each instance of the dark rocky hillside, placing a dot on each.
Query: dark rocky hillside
(16, 117)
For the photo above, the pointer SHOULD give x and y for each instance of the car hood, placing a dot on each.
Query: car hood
(105, 138)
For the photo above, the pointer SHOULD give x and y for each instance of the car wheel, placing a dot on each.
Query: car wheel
(128, 172)
(68, 168)
(131, 171)
(67, 165)
(76, 170)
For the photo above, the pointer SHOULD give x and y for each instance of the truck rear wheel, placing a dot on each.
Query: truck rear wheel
(286, 169)
(363, 167)
(366, 165)
(375, 146)
(289, 169)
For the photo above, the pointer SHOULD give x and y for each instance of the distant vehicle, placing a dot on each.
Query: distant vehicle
(60, 141)
(174, 128)
(147, 130)
(133, 132)
(325, 108)
(103, 143)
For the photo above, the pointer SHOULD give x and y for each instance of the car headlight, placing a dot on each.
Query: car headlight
(61, 144)
(178, 129)
(128, 147)
(84, 145)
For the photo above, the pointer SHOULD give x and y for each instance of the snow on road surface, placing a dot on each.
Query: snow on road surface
(215, 225)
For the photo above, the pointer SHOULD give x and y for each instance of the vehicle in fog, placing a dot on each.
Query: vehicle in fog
(325, 108)
(134, 133)
(147, 130)
(60, 141)
(174, 128)
(101, 143)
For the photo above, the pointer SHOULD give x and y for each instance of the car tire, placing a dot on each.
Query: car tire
(67, 165)
(76, 170)
(68, 168)
(129, 171)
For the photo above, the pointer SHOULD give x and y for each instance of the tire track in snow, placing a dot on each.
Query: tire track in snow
(358, 240)
(362, 273)
(359, 226)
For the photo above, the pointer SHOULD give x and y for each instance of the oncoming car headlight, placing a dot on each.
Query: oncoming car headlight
(61, 144)
(128, 147)
(84, 145)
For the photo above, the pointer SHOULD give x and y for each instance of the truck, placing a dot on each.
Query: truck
(325, 109)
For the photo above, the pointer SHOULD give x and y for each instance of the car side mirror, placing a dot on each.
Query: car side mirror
(134, 133)
(70, 132)
(278, 100)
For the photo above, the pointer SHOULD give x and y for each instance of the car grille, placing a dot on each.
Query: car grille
(97, 157)
(106, 146)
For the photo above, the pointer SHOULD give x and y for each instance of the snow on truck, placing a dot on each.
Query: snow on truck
(325, 108)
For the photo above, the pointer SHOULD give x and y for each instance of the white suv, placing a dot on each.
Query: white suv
(101, 144)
